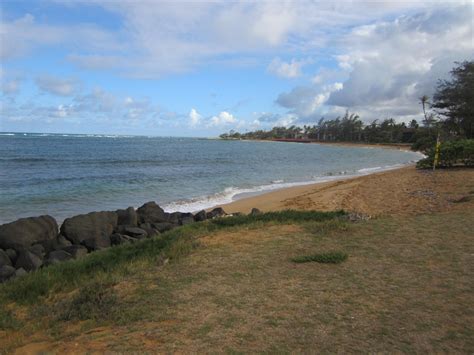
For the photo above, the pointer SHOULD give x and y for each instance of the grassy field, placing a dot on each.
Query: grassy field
(236, 285)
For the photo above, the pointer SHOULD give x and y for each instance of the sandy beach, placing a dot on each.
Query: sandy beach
(403, 191)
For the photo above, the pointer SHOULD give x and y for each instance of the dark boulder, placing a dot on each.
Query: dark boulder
(38, 250)
(186, 219)
(25, 232)
(6, 272)
(255, 212)
(174, 217)
(150, 212)
(118, 239)
(149, 229)
(28, 261)
(92, 230)
(163, 227)
(127, 217)
(77, 251)
(216, 212)
(4, 258)
(200, 216)
(61, 242)
(12, 254)
(20, 272)
(57, 256)
(135, 232)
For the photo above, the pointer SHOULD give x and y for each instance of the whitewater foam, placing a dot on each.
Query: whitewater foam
(231, 194)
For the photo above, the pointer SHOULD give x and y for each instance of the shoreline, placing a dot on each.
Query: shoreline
(401, 191)
(232, 195)
(275, 198)
(394, 146)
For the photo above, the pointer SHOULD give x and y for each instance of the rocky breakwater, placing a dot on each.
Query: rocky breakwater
(31, 243)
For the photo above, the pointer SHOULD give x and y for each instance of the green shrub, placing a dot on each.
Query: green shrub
(452, 153)
(335, 257)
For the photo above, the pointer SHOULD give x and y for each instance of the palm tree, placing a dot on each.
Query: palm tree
(424, 100)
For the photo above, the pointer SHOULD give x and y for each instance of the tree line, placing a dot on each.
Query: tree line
(449, 115)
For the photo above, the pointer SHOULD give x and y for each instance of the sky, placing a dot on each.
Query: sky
(176, 68)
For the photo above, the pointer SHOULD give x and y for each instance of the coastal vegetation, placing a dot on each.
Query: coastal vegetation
(189, 286)
(332, 257)
(449, 116)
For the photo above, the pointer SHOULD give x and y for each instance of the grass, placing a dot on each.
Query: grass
(173, 244)
(96, 300)
(288, 216)
(335, 257)
(407, 287)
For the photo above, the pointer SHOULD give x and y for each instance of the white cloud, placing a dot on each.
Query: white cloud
(9, 87)
(158, 39)
(286, 70)
(194, 118)
(57, 86)
(392, 63)
(222, 119)
(305, 101)
(385, 66)
(25, 34)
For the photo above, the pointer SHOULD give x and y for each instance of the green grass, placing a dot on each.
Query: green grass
(7, 319)
(279, 217)
(96, 301)
(335, 257)
(106, 264)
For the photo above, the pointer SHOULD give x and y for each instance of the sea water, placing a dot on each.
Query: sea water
(64, 175)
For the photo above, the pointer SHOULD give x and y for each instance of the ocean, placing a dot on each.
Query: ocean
(65, 174)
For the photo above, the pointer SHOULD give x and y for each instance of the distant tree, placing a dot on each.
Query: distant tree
(424, 101)
(414, 124)
(454, 100)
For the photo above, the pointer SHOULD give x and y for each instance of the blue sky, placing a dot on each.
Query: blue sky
(202, 68)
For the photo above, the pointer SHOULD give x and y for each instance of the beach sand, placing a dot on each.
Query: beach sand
(403, 191)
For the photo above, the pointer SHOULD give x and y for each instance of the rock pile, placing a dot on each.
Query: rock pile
(30, 243)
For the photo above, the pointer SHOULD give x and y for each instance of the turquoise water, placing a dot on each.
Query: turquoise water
(63, 175)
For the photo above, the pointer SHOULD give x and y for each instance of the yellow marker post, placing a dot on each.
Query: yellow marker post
(436, 156)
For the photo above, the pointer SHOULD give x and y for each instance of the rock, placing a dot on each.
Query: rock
(25, 232)
(174, 217)
(149, 229)
(92, 230)
(28, 261)
(61, 242)
(12, 254)
(4, 258)
(38, 250)
(57, 256)
(150, 212)
(117, 239)
(127, 217)
(20, 272)
(200, 216)
(77, 251)
(255, 212)
(187, 220)
(216, 212)
(164, 226)
(135, 232)
(6, 272)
